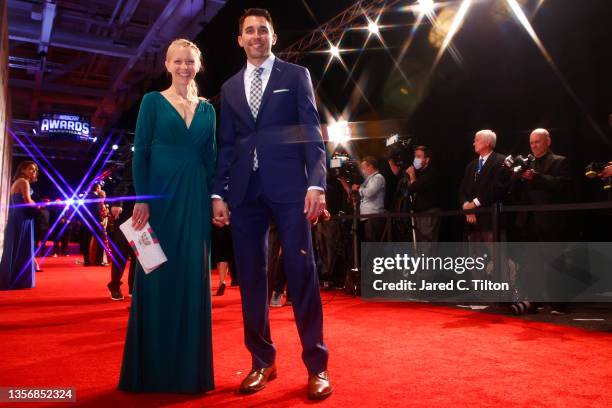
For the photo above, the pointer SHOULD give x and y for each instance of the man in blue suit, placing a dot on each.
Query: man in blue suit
(271, 164)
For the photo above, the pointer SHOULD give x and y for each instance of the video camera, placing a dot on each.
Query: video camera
(593, 169)
(399, 151)
(519, 164)
(342, 166)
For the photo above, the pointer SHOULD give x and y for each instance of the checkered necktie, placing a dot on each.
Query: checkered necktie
(255, 101)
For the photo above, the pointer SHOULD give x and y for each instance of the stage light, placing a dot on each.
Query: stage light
(339, 132)
(334, 51)
(95, 139)
(69, 202)
(373, 28)
(426, 6)
(115, 147)
(132, 148)
(80, 202)
(34, 130)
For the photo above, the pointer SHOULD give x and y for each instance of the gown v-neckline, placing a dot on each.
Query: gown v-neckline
(179, 115)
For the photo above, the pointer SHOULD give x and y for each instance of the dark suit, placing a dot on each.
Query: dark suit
(122, 250)
(487, 185)
(291, 158)
(551, 184)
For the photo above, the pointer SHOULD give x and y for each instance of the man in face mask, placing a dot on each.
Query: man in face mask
(424, 186)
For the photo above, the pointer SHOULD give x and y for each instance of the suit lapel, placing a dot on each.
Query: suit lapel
(240, 92)
(275, 76)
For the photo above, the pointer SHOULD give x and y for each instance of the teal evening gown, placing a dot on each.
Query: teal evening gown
(169, 341)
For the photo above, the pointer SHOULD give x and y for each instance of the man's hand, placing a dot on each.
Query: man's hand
(116, 212)
(314, 203)
(140, 216)
(221, 216)
(355, 187)
(528, 174)
(607, 171)
(470, 218)
(469, 205)
(411, 173)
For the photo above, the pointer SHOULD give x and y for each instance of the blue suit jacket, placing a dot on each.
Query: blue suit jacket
(286, 134)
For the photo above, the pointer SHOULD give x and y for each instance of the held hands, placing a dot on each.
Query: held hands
(355, 187)
(314, 204)
(221, 216)
(140, 216)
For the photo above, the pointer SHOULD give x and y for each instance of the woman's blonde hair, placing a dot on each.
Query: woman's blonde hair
(192, 88)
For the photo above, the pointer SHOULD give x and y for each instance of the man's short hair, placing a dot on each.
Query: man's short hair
(541, 131)
(426, 150)
(489, 135)
(371, 160)
(258, 12)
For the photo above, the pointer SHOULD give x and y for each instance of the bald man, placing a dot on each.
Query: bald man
(547, 182)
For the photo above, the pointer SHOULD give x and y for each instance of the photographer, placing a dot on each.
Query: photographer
(547, 182)
(424, 186)
(372, 195)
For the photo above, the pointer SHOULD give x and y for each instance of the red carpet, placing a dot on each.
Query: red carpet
(67, 332)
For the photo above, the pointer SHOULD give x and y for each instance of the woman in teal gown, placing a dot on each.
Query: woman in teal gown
(17, 264)
(169, 343)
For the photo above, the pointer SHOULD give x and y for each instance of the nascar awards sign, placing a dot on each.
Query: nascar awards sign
(65, 126)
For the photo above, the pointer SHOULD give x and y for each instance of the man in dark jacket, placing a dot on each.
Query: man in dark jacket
(483, 184)
(121, 211)
(547, 182)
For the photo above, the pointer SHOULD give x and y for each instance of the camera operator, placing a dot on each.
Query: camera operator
(372, 195)
(393, 178)
(424, 186)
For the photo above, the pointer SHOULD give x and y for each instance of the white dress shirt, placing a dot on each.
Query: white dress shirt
(265, 75)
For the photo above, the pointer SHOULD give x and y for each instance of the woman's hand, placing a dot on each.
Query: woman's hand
(140, 216)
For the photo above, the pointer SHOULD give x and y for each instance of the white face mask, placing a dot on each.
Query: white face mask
(417, 163)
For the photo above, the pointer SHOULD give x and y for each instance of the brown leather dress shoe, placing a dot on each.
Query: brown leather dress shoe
(257, 379)
(319, 386)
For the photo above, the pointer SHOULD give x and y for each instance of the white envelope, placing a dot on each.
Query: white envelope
(145, 245)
